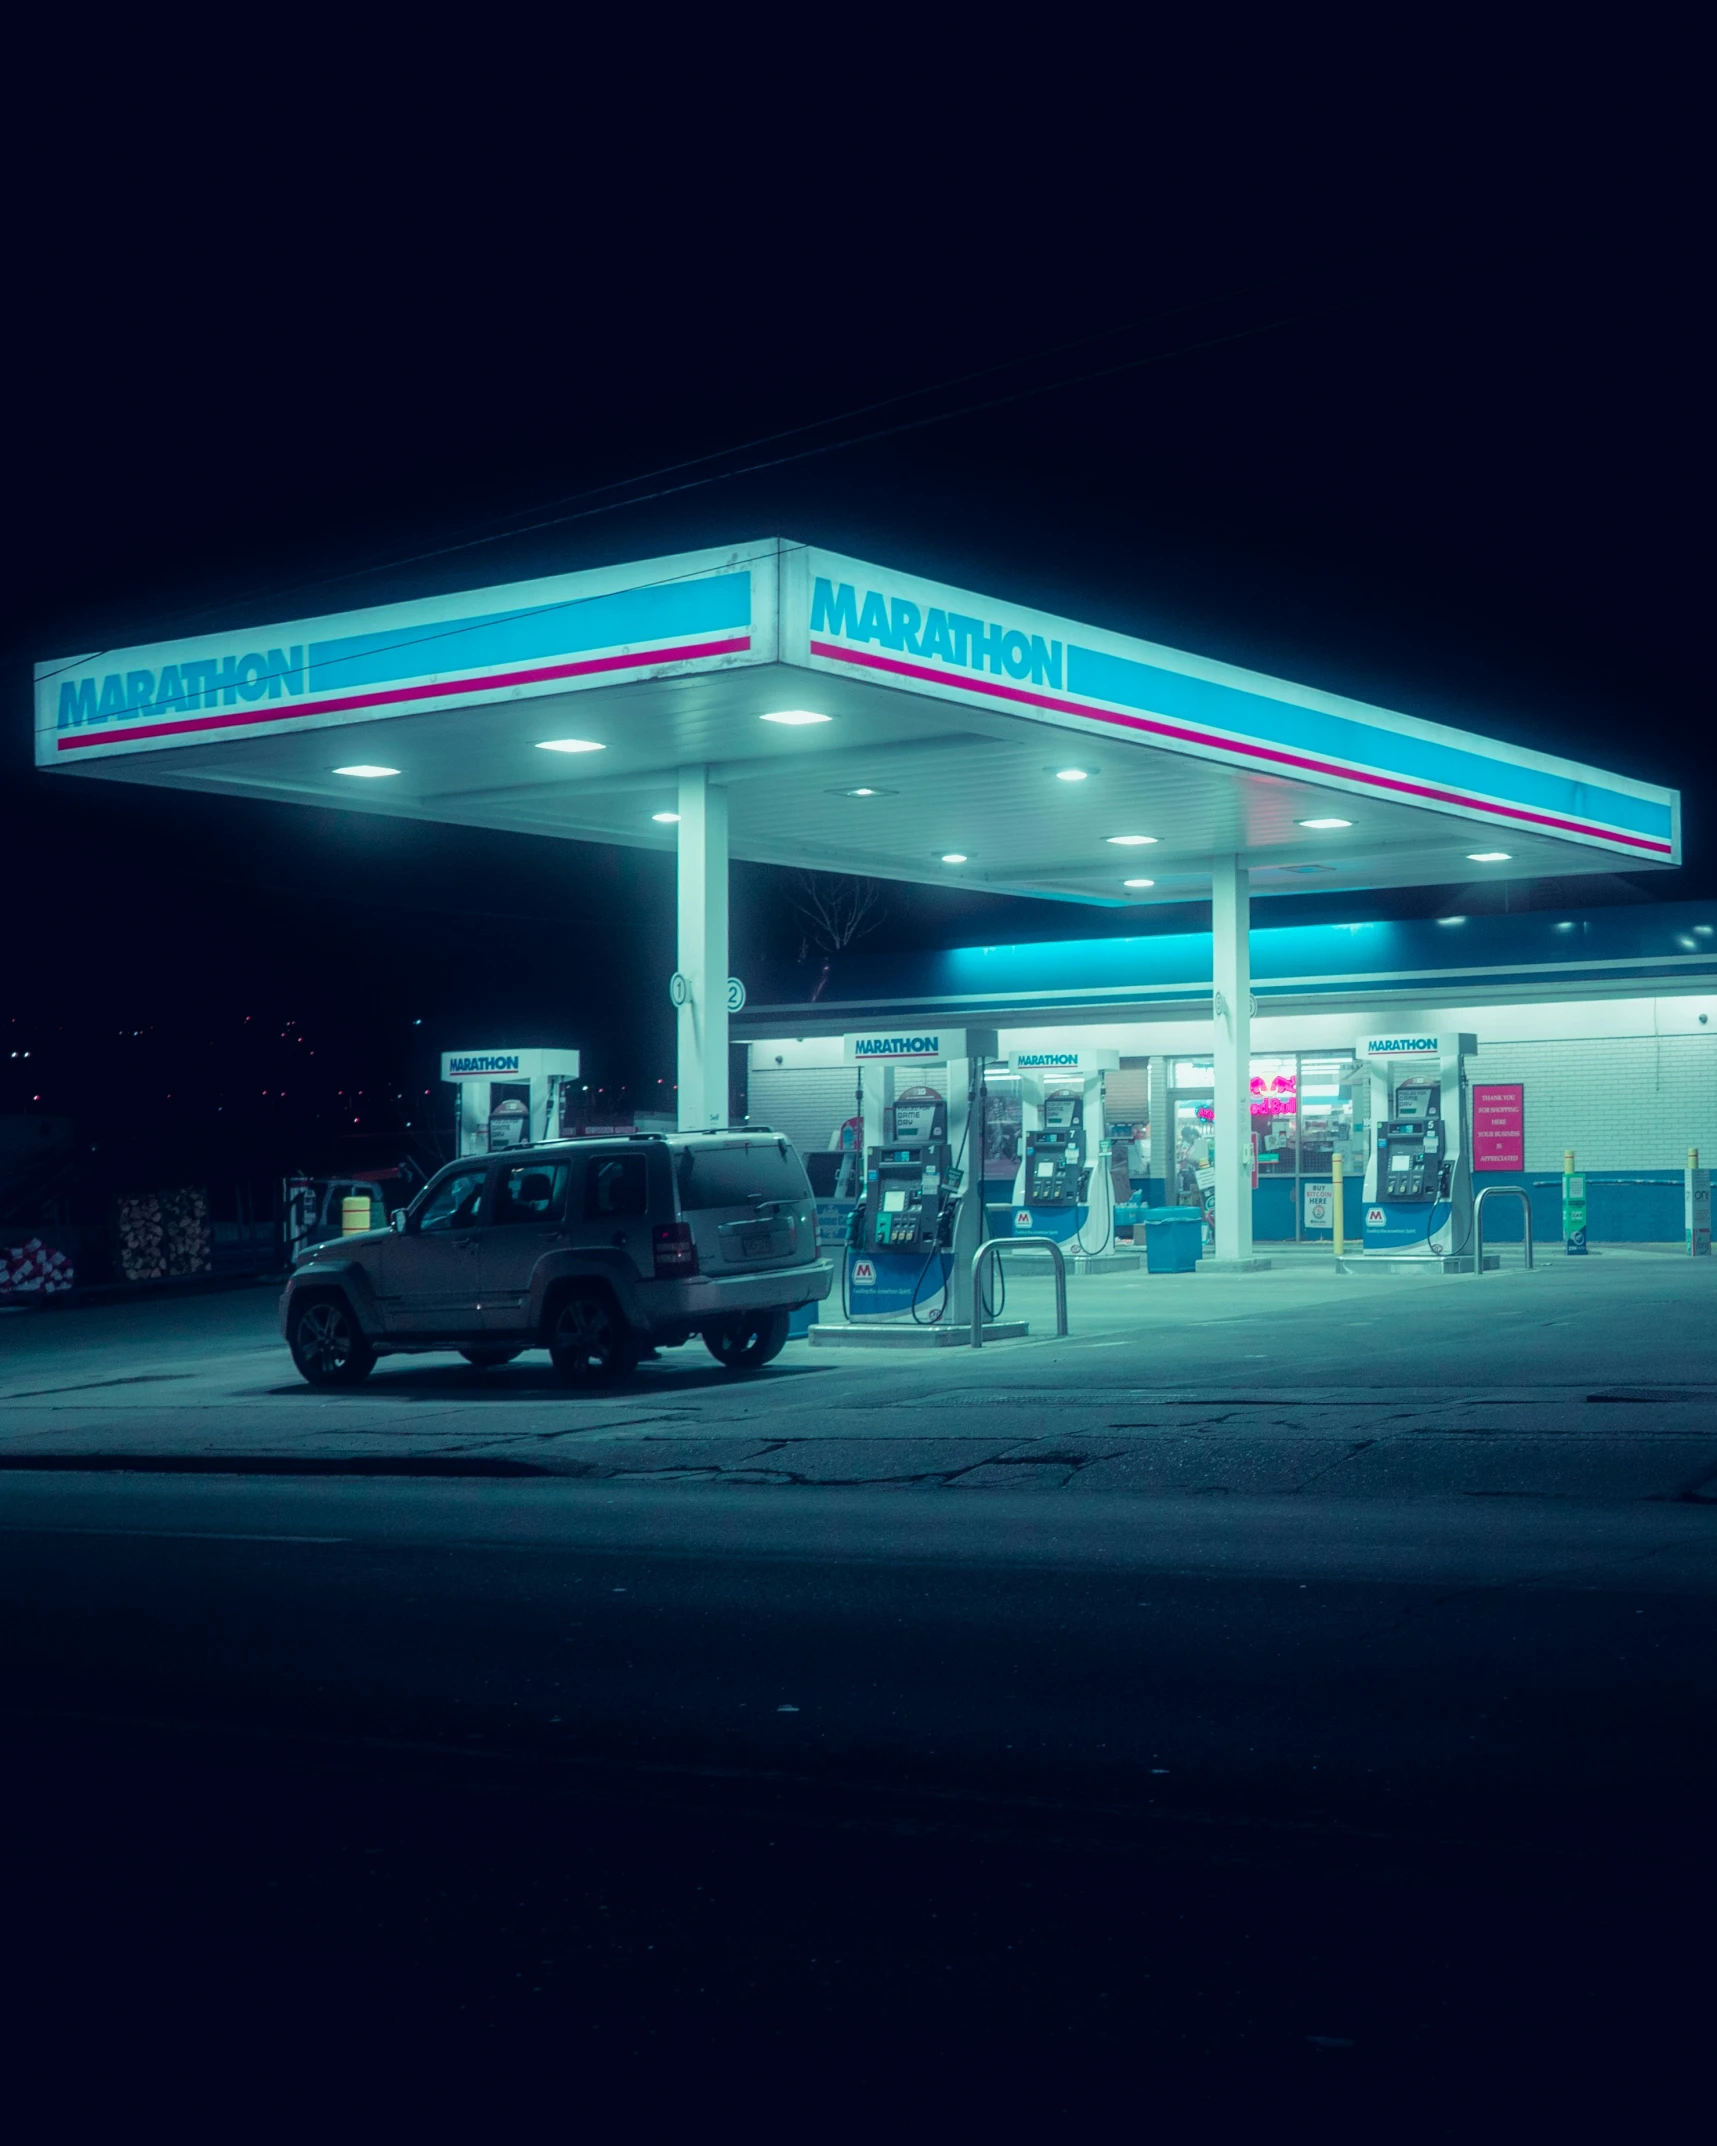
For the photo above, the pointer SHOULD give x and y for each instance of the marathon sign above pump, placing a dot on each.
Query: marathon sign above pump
(502, 1064)
(1409, 1045)
(895, 1045)
(1080, 1059)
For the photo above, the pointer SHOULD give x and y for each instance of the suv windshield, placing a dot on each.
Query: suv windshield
(733, 1176)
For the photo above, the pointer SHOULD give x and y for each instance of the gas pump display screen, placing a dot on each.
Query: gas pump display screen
(1058, 1111)
(1046, 1169)
(894, 1200)
(914, 1121)
(1400, 1162)
(1412, 1103)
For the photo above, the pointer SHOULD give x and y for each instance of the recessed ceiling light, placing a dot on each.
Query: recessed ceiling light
(1487, 856)
(867, 789)
(570, 745)
(955, 856)
(366, 772)
(796, 715)
(666, 819)
(1129, 841)
(1138, 882)
(1451, 920)
(1072, 774)
(1326, 823)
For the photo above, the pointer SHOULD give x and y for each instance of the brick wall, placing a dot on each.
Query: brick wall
(1620, 1102)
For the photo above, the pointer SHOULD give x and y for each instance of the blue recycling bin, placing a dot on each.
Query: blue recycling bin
(1174, 1239)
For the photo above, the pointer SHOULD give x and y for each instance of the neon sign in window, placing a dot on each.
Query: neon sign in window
(1273, 1095)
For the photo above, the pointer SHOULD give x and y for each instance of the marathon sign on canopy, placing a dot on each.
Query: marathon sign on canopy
(933, 633)
(895, 1045)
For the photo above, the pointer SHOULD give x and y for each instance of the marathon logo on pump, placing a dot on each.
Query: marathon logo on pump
(938, 1044)
(897, 1047)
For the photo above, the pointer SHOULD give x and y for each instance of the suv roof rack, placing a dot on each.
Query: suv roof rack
(749, 1128)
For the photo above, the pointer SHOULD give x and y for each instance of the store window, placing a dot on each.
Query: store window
(1305, 1109)
(1275, 1115)
(1330, 1122)
(1192, 1173)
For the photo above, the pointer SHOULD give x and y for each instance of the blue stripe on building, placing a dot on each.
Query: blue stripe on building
(1658, 946)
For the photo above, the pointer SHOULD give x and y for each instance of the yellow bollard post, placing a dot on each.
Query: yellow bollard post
(1336, 1173)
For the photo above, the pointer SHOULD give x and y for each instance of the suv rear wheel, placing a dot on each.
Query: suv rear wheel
(327, 1343)
(590, 1344)
(749, 1341)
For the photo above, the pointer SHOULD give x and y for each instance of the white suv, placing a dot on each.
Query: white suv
(596, 1250)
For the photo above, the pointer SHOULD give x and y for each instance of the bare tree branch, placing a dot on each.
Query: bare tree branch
(834, 908)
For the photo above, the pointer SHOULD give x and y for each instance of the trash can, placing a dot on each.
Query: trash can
(1174, 1238)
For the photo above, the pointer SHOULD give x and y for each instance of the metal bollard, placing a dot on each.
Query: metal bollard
(1491, 1192)
(1017, 1244)
(1336, 1166)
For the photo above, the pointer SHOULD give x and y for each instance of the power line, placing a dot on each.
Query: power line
(798, 455)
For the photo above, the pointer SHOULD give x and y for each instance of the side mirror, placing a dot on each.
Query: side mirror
(396, 1221)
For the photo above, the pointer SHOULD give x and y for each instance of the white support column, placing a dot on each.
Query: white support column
(1230, 918)
(703, 1096)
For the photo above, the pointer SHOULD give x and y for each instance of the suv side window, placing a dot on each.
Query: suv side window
(531, 1192)
(456, 1203)
(615, 1185)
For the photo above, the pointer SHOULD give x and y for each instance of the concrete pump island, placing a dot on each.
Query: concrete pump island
(781, 704)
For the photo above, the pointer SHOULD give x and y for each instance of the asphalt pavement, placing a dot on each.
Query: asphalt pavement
(1285, 1699)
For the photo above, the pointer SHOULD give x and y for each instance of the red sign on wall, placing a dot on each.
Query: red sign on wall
(1499, 1126)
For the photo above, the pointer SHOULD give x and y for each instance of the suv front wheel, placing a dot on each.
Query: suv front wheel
(327, 1343)
(749, 1341)
(590, 1344)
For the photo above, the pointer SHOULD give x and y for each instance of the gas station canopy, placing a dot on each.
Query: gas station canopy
(857, 720)
(790, 706)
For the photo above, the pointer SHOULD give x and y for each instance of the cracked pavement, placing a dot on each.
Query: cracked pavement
(1587, 1381)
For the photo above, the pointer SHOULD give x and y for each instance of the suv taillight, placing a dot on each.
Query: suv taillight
(675, 1251)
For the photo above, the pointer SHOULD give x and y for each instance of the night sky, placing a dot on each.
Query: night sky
(1419, 423)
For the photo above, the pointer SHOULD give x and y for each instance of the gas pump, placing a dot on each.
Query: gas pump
(1418, 1180)
(913, 1236)
(910, 1181)
(1060, 1192)
(1057, 1173)
(509, 1098)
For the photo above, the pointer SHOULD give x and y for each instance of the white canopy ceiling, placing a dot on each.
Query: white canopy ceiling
(952, 726)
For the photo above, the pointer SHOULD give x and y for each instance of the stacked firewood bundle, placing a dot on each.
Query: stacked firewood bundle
(162, 1234)
(185, 1230)
(33, 1268)
(142, 1254)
